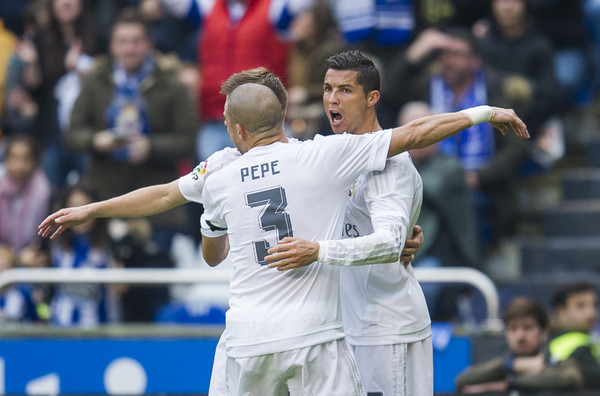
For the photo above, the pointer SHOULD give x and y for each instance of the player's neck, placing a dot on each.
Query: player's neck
(369, 126)
(266, 140)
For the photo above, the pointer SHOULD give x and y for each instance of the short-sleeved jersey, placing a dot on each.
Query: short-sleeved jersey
(192, 184)
(284, 190)
(383, 304)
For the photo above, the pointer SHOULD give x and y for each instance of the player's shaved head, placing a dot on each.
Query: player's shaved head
(255, 107)
(259, 75)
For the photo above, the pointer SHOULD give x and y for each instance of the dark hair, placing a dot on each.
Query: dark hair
(368, 75)
(520, 307)
(130, 15)
(465, 35)
(99, 233)
(565, 291)
(29, 140)
(324, 19)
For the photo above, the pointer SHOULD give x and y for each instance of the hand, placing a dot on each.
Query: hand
(20, 100)
(151, 10)
(292, 253)
(26, 51)
(412, 246)
(32, 256)
(139, 149)
(59, 221)
(75, 50)
(427, 42)
(105, 141)
(501, 117)
(529, 364)
(481, 28)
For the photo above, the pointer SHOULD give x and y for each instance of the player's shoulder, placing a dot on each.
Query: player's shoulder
(226, 153)
(217, 161)
(220, 159)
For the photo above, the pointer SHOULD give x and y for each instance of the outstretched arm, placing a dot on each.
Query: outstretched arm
(143, 202)
(428, 130)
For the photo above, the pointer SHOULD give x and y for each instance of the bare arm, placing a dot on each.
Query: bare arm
(143, 202)
(426, 131)
(215, 250)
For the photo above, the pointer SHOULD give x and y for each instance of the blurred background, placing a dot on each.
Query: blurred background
(502, 217)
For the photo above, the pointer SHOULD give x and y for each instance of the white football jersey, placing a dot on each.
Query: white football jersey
(284, 190)
(192, 184)
(383, 303)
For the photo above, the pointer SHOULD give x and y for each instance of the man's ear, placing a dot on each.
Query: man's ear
(373, 98)
(241, 131)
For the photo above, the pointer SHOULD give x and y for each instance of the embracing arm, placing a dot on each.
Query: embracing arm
(382, 246)
(428, 130)
(143, 202)
(392, 197)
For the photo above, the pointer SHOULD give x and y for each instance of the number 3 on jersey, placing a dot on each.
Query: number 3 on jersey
(271, 217)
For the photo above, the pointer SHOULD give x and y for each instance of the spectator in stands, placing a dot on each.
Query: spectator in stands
(84, 246)
(136, 250)
(448, 218)
(576, 315)
(15, 300)
(54, 51)
(512, 46)
(135, 120)
(20, 108)
(460, 82)
(24, 201)
(170, 35)
(235, 35)
(527, 365)
(315, 38)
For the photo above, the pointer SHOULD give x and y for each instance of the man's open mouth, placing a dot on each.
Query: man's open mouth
(335, 116)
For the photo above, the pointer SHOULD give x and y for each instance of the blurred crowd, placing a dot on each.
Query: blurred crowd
(101, 97)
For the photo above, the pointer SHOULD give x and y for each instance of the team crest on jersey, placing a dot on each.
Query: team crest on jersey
(351, 189)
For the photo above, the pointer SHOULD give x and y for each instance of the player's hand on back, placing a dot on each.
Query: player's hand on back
(292, 253)
(412, 245)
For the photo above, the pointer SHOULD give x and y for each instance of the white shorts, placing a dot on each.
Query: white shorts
(396, 370)
(327, 369)
(218, 380)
